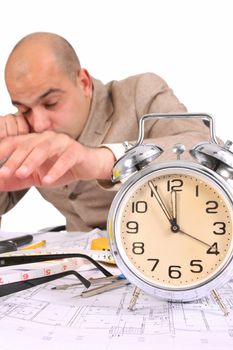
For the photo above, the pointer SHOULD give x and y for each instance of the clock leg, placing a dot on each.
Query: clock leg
(220, 303)
(134, 298)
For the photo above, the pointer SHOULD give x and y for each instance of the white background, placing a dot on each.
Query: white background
(187, 42)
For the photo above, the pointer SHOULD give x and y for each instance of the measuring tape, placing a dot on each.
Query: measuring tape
(22, 273)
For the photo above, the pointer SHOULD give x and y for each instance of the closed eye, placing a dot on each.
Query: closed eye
(25, 113)
(50, 105)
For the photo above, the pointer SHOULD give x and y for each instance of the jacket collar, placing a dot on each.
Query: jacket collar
(98, 122)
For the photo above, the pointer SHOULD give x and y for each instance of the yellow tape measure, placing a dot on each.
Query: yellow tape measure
(101, 243)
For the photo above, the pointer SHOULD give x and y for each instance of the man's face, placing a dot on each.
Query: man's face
(49, 99)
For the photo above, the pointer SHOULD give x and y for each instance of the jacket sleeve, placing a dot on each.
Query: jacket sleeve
(9, 199)
(153, 95)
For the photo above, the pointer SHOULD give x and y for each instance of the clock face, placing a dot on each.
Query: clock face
(173, 228)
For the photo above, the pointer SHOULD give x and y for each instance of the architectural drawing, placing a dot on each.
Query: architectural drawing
(51, 319)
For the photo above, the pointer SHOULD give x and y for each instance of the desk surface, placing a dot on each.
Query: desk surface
(42, 318)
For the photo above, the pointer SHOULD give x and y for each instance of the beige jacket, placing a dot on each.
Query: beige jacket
(115, 110)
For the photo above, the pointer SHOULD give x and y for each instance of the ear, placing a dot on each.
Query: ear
(84, 80)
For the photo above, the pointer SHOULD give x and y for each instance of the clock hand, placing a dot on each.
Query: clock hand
(197, 239)
(175, 226)
(174, 219)
(159, 200)
(174, 205)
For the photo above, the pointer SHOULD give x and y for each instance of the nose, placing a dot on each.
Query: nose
(40, 120)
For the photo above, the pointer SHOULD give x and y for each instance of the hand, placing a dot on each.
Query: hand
(160, 201)
(50, 159)
(174, 227)
(174, 206)
(193, 237)
(12, 125)
(174, 219)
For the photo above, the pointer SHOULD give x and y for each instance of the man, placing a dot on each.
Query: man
(69, 128)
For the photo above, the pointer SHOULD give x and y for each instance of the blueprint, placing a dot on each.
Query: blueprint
(45, 318)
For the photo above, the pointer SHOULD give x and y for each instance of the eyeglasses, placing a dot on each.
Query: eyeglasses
(17, 286)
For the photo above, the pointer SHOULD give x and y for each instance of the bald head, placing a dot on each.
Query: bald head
(36, 47)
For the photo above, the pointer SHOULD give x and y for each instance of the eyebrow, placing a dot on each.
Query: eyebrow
(45, 94)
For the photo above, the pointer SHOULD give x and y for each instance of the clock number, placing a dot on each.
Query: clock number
(155, 264)
(197, 191)
(139, 207)
(138, 248)
(213, 249)
(173, 271)
(197, 265)
(221, 228)
(174, 185)
(212, 207)
(132, 227)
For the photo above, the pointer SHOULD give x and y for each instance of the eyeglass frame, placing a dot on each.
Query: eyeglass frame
(13, 287)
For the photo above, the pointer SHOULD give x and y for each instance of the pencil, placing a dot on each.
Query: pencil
(35, 245)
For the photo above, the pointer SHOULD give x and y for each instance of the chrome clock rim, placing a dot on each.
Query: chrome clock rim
(175, 294)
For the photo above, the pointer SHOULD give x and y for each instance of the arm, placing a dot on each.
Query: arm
(11, 125)
(50, 159)
(159, 98)
(151, 94)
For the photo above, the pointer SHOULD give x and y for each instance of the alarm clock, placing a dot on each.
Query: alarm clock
(170, 225)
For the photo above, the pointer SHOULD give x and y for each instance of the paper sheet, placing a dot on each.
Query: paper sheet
(56, 242)
(42, 318)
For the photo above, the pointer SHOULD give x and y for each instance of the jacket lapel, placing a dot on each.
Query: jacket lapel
(98, 122)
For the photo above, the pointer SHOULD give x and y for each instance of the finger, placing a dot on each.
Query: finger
(46, 149)
(11, 125)
(64, 164)
(14, 184)
(9, 144)
(22, 125)
(13, 151)
(33, 160)
(26, 158)
(3, 129)
(12, 163)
